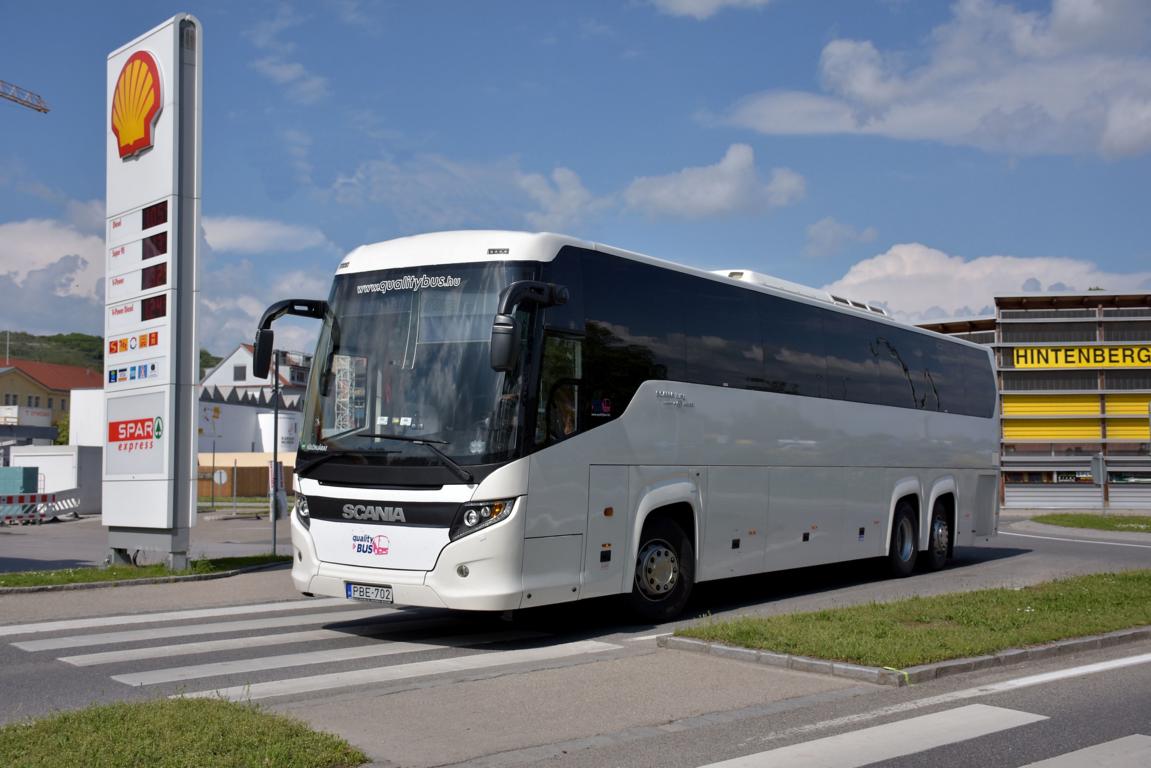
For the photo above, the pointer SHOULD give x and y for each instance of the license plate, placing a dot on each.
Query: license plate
(371, 592)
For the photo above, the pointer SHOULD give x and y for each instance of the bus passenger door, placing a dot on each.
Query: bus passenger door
(605, 570)
(735, 522)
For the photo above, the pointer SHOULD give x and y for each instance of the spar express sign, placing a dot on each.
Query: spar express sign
(135, 434)
(137, 443)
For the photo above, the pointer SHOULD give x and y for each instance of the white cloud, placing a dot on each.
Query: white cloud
(88, 217)
(703, 9)
(730, 186)
(1076, 79)
(33, 245)
(233, 296)
(239, 234)
(563, 199)
(276, 63)
(918, 283)
(44, 300)
(436, 192)
(433, 191)
(828, 237)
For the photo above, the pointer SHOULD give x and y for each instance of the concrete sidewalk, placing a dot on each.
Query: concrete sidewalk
(84, 542)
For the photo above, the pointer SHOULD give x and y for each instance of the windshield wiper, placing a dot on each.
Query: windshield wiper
(456, 469)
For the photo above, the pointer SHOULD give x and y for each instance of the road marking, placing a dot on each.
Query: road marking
(1076, 541)
(136, 635)
(395, 672)
(962, 695)
(199, 613)
(206, 646)
(890, 740)
(264, 663)
(239, 643)
(646, 637)
(1128, 752)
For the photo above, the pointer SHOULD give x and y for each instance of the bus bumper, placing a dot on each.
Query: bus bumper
(492, 559)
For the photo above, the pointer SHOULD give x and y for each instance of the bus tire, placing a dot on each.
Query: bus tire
(664, 572)
(904, 548)
(939, 537)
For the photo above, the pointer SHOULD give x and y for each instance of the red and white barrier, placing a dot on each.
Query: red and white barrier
(28, 498)
(30, 504)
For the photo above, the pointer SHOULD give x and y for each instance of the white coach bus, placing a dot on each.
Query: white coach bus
(498, 420)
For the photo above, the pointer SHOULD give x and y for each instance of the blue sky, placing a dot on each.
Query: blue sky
(925, 155)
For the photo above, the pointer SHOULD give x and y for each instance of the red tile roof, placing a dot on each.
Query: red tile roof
(59, 377)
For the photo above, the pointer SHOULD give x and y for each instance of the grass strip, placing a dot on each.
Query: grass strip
(921, 630)
(1130, 523)
(129, 572)
(172, 733)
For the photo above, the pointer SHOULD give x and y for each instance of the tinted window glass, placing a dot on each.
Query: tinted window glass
(852, 370)
(723, 345)
(793, 347)
(634, 327)
(979, 383)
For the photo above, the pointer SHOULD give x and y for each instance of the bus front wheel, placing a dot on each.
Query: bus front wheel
(904, 545)
(664, 572)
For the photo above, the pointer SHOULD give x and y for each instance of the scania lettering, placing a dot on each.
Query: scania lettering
(500, 420)
(383, 514)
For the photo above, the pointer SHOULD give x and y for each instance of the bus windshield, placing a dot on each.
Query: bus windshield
(403, 363)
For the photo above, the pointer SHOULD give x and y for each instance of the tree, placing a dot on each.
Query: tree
(208, 361)
(62, 430)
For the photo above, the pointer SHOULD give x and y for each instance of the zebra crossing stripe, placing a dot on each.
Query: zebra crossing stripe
(250, 641)
(890, 740)
(205, 646)
(147, 618)
(264, 663)
(1127, 752)
(186, 630)
(469, 663)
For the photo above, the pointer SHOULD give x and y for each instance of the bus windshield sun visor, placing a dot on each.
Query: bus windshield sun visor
(505, 334)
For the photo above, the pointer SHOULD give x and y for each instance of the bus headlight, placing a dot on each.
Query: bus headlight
(475, 515)
(302, 510)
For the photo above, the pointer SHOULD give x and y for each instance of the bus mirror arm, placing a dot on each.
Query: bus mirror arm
(505, 334)
(262, 354)
(531, 291)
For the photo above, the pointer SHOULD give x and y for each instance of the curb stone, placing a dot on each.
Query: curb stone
(134, 582)
(912, 675)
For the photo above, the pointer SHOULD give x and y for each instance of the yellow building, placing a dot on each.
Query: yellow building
(1074, 376)
(44, 386)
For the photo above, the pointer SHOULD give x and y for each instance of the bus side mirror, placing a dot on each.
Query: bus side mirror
(262, 355)
(505, 343)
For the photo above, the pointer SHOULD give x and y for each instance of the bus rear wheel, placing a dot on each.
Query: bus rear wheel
(939, 539)
(664, 572)
(904, 547)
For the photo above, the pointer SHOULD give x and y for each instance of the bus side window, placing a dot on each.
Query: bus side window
(560, 372)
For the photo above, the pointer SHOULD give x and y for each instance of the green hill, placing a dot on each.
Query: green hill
(79, 349)
(63, 348)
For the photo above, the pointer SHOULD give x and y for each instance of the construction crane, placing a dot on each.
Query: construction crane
(21, 96)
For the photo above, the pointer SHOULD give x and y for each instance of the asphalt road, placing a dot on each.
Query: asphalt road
(575, 685)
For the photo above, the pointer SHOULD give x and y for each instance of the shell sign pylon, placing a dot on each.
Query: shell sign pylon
(136, 104)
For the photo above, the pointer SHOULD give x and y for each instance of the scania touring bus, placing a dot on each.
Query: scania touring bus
(499, 420)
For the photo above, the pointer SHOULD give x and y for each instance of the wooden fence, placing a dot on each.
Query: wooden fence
(249, 481)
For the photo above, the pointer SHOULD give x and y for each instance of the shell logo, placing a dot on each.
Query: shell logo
(136, 103)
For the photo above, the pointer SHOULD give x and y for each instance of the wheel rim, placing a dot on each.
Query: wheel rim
(904, 540)
(657, 570)
(939, 536)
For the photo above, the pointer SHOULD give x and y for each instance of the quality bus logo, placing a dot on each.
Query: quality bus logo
(135, 434)
(367, 544)
(136, 104)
